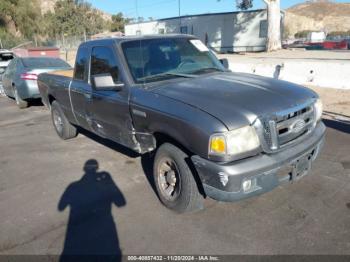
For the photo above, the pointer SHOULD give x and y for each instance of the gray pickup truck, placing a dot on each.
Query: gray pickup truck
(215, 133)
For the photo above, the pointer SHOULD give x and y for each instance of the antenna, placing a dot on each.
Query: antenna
(140, 41)
(137, 15)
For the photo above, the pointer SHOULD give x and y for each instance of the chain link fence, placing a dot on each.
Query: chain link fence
(68, 45)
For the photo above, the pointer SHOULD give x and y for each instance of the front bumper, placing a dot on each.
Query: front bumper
(224, 182)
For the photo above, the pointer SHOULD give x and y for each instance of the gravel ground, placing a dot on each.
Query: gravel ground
(49, 204)
(291, 55)
(336, 102)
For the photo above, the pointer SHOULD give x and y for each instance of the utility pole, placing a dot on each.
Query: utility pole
(1, 44)
(179, 1)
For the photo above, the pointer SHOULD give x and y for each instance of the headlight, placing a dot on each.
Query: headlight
(318, 109)
(234, 142)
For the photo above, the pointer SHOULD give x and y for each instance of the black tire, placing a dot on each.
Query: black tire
(19, 101)
(185, 195)
(64, 129)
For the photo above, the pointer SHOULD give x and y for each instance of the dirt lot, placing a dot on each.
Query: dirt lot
(294, 54)
(336, 102)
(262, 57)
(49, 204)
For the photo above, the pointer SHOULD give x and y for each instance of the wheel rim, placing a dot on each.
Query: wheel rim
(57, 120)
(168, 179)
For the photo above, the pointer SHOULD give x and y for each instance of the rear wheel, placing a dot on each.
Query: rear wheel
(174, 181)
(64, 129)
(20, 102)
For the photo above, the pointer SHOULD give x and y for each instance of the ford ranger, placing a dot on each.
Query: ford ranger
(215, 133)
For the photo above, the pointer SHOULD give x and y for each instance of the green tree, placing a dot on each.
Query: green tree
(22, 19)
(118, 22)
(26, 18)
(18, 21)
(7, 8)
(75, 18)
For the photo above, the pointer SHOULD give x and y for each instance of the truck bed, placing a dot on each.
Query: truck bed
(66, 73)
(55, 83)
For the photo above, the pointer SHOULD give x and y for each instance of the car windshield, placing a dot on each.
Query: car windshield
(152, 60)
(44, 62)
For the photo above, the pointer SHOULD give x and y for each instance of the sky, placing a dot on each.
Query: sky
(169, 8)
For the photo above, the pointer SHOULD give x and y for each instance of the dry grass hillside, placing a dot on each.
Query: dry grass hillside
(316, 16)
(49, 6)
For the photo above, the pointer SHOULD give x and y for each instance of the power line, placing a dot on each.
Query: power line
(149, 5)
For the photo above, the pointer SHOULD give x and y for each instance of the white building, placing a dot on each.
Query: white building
(224, 32)
(316, 37)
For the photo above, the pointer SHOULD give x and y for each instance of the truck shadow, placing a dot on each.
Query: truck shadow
(35, 103)
(146, 159)
(108, 143)
(342, 126)
(91, 233)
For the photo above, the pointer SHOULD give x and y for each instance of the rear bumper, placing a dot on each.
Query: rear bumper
(224, 182)
(29, 90)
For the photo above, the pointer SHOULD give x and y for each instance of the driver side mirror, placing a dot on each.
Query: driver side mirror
(105, 82)
(225, 63)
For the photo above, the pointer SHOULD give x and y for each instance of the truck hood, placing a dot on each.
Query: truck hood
(236, 99)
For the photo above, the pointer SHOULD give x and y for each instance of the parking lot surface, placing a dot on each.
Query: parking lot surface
(50, 203)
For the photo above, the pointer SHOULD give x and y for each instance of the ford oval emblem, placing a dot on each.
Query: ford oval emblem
(298, 125)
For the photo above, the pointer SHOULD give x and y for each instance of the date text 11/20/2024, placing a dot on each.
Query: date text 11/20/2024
(173, 258)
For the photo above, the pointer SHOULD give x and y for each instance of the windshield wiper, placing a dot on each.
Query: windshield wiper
(206, 69)
(151, 77)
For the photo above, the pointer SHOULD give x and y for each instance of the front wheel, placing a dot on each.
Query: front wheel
(174, 181)
(19, 101)
(64, 129)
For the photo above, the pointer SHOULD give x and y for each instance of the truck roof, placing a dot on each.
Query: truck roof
(132, 38)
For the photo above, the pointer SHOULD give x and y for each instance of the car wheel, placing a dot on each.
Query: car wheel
(64, 129)
(174, 181)
(20, 102)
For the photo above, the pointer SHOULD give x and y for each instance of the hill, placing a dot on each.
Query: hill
(317, 16)
(49, 6)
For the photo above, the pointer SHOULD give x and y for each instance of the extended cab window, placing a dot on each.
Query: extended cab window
(103, 61)
(81, 64)
(158, 59)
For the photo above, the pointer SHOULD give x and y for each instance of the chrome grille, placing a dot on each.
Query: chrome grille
(285, 128)
(267, 133)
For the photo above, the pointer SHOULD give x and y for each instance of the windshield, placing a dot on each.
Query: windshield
(44, 62)
(152, 60)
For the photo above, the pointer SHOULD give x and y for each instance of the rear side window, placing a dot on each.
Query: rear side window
(6, 56)
(81, 64)
(103, 61)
